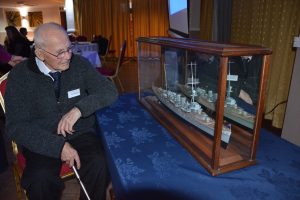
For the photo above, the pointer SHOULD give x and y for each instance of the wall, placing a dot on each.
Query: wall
(291, 126)
(50, 14)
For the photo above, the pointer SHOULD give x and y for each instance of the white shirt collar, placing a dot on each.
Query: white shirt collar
(42, 67)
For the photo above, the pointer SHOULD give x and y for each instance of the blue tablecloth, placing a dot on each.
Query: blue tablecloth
(145, 162)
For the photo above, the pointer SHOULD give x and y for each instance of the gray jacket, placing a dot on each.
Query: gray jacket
(33, 113)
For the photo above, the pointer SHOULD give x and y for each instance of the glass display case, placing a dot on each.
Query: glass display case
(210, 96)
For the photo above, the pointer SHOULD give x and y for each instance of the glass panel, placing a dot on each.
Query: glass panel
(203, 72)
(188, 87)
(150, 70)
(242, 90)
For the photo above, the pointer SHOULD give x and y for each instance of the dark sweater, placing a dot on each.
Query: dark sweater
(33, 113)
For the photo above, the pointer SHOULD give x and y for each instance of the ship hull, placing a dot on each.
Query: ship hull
(193, 118)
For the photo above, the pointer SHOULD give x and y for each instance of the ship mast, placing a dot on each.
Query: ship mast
(166, 80)
(192, 73)
(229, 89)
(229, 100)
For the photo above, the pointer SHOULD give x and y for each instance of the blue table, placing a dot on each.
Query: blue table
(145, 162)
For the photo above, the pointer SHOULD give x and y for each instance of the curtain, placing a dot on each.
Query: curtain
(119, 24)
(206, 17)
(77, 18)
(224, 20)
(271, 23)
(221, 21)
(113, 17)
(150, 18)
(86, 17)
(102, 17)
(88, 14)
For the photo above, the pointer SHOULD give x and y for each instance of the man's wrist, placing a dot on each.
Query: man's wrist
(77, 110)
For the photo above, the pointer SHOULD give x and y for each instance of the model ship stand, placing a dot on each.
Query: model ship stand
(242, 145)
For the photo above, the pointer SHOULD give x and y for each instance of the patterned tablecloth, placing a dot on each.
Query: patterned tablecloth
(145, 162)
(89, 51)
(85, 46)
(93, 57)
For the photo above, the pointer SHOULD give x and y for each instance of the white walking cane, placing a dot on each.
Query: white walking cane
(78, 177)
(81, 184)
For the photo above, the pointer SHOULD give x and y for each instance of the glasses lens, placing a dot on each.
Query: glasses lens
(63, 53)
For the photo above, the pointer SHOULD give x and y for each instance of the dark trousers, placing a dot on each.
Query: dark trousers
(41, 176)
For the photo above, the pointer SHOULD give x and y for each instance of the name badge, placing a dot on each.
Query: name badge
(73, 93)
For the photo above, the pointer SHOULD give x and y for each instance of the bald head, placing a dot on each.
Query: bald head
(48, 33)
(52, 46)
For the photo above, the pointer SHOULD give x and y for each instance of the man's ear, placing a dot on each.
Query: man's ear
(39, 54)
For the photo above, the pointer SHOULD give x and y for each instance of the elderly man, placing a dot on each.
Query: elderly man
(50, 100)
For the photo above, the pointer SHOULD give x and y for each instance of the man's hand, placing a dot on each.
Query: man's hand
(246, 97)
(69, 155)
(67, 122)
(15, 60)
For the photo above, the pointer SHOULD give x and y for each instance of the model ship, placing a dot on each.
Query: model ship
(231, 110)
(190, 110)
(208, 99)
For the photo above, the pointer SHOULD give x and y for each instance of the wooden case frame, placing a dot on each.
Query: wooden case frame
(241, 151)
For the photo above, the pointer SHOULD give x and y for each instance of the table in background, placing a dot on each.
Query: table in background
(86, 46)
(145, 162)
(89, 51)
(93, 57)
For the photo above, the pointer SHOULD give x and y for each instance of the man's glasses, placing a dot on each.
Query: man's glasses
(61, 54)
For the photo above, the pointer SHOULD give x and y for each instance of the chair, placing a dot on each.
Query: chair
(102, 44)
(114, 73)
(81, 38)
(20, 162)
(72, 38)
(108, 51)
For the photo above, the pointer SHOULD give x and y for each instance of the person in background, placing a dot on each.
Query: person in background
(51, 100)
(16, 43)
(102, 44)
(72, 37)
(7, 61)
(248, 71)
(24, 32)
